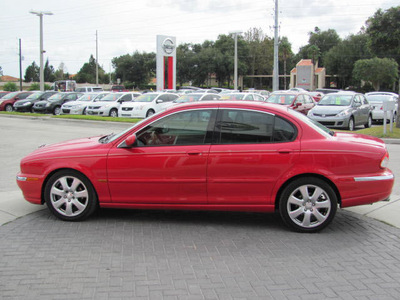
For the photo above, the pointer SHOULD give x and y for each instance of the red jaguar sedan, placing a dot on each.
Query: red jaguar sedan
(232, 156)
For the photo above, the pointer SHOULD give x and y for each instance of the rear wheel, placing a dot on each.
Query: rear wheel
(308, 204)
(70, 196)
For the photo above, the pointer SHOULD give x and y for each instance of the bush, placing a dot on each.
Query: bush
(36, 87)
(10, 87)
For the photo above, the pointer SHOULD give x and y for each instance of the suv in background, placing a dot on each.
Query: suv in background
(89, 89)
(118, 88)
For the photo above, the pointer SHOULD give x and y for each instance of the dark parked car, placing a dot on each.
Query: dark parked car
(53, 104)
(8, 100)
(26, 105)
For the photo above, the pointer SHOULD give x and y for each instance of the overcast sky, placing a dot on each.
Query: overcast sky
(126, 26)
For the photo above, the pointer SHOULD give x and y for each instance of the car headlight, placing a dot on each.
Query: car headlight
(343, 113)
(310, 113)
(27, 103)
(48, 104)
(106, 106)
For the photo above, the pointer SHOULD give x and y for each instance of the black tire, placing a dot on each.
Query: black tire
(369, 122)
(70, 196)
(351, 124)
(113, 113)
(308, 204)
(84, 111)
(149, 113)
(9, 108)
(57, 110)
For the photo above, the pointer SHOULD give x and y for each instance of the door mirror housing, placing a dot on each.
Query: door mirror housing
(129, 142)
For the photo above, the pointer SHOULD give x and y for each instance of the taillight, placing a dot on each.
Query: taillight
(385, 161)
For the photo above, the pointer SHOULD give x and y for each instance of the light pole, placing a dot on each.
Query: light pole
(41, 71)
(235, 75)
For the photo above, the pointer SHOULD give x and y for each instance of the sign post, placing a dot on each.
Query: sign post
(166, 55)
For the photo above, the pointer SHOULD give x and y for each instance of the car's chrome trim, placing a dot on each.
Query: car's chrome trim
(374, 178)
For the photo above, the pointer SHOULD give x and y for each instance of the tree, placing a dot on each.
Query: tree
(48, 72)
(1, 71)
(137, 68)
(32, 73)
(384, 34)
(285, 53)
(385, 70)
(340, 59)
(88, 73)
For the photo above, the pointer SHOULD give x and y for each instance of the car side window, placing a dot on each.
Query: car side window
(164, 98)
(250, 127)
(182, 128)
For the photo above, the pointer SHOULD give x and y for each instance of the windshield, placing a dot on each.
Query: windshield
(34, 96)
(335, 100)
(188, 98)
(10, 95)
(314, 124)
(146, 98)
(100, 96)
(281, 99)
(233, 96)
(110, 97)
(56, 97)
(379, 98)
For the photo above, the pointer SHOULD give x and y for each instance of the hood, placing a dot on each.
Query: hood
(78, 103)
(77, 147)
(322, 109)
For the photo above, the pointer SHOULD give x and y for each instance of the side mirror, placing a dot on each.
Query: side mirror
(129, 142)
(159, 101)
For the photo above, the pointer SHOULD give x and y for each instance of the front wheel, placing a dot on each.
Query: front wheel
(57, 110)
(9, 108)
(351, 124)
(149, 113)
(369, 122)
(70, 196)
(308, 204)
(113, 113)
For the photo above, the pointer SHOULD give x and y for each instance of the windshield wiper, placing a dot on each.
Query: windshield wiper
(106, 138)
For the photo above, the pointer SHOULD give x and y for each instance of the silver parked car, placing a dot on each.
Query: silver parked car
(377, 99)
(342, 110)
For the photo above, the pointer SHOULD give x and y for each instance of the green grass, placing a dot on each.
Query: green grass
(76, 117)
(377, 131)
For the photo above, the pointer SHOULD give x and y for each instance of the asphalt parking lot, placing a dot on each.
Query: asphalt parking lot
(131, 254)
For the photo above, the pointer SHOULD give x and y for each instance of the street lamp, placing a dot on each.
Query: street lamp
(41, 71)
(235, 76)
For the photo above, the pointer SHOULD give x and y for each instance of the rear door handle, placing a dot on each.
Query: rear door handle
(192, 153)
(284, 151)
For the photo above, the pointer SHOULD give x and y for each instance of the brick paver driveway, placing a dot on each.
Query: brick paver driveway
(196, 255)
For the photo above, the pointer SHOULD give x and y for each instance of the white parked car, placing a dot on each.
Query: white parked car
(89, 89)
(79, 106)
(147, 105)
(192, 97)
(109, 105)
(377, 100)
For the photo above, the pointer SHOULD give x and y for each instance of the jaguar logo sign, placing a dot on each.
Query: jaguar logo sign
(168, 46)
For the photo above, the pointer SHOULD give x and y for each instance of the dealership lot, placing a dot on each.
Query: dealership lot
(183, 255)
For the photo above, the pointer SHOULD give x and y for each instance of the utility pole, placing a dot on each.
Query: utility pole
(97, 60)
(20, 66)
(41, 71)
(275, 79)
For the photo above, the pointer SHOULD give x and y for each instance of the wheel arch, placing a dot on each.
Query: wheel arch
(290, 180)
(58, 170)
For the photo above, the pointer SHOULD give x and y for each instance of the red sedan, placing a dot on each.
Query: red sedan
(301, 102)
(233, 156)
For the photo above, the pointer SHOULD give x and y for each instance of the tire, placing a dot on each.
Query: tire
(308, 204)
(351, 124)
(57, 110)
(9, 108)
(149, 113)
(70, 196)
(84, 111)
(113, 113)
(369, 122)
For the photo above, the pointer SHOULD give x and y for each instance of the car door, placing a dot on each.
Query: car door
(252, 150)
(365, 108)
(357, 110)
(168, 164)
(309, 103)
